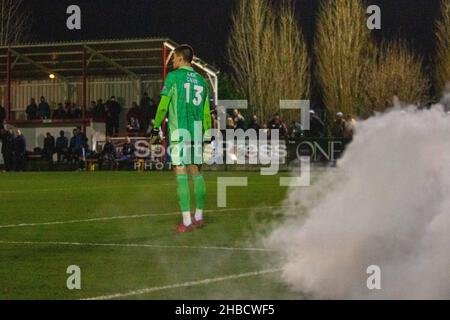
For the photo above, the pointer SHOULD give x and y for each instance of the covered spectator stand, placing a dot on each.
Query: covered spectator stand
(80, 72)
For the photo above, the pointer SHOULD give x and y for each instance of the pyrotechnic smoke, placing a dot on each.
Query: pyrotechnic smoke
(387, 204)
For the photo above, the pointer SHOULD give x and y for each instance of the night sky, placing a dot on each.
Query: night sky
(205, 23)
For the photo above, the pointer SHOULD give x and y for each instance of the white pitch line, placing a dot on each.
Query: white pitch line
(83, 188)
(185, 284)
(21, 225)
(140, 216)
(131, 245)
(76, 188)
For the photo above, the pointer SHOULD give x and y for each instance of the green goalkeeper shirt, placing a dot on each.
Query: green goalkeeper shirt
(185, 99)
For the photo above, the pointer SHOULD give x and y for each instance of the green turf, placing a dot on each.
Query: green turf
(38, 271)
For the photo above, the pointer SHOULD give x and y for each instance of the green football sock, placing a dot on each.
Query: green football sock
(200, 191)
(184, 196)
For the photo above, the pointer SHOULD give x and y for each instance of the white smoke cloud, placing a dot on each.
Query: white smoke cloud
(387, 204)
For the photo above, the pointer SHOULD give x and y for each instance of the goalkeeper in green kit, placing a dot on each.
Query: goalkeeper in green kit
(185, 99)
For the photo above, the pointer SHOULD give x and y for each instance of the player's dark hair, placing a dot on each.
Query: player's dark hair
(186, 52)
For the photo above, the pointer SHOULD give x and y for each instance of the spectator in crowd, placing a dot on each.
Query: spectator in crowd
(113, 109)
(77, 113)
(148, 110)
(78, 145)
(2, 117)
(43, 109)
(32, 110)
(230, 123)
(8, 149)
(59, 113)
(154, 107)
(128, 152)
(20, 149)
(72, 145)
(100, 111)
(221, 120)
(146, 102)
(90, 112)
(81, 148)
(134, 119)
(49, 147)
(239, 120)
(277, 124)
(68, 109)
(295, 130)
(338, 126)
(108, 155)
(62, 146)
(215, 121)
(146, 106)
(254, 124)
(133, 126)
(349, 128)
(317, 127)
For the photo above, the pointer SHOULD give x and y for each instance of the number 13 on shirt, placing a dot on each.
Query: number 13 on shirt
(197, 101)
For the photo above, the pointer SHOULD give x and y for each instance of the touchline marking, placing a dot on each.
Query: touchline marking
(185, 284)
(132, 245)
(139, 216)
(81, 188)
(95, 188)
(69, 189)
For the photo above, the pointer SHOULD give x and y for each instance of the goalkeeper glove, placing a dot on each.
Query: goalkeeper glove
(156, 139)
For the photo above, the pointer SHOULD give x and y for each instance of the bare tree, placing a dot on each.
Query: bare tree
(397, 72)
(292, 66)
(14, 21)
(247, 50)
(268, 54)
(443, 47)
(343, 51)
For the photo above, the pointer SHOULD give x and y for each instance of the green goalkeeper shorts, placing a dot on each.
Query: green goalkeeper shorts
(185, 154)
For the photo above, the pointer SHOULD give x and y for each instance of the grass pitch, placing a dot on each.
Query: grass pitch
(119, 228)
